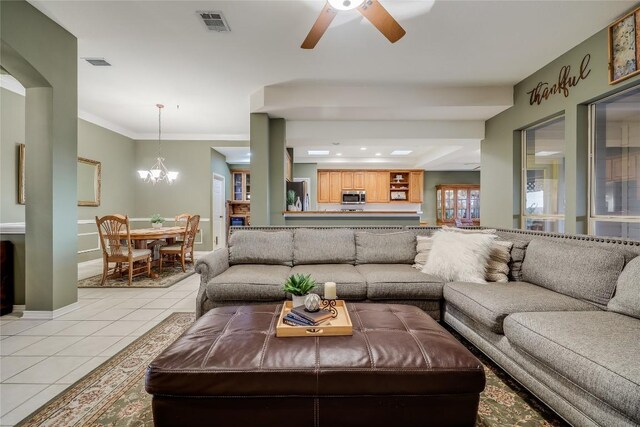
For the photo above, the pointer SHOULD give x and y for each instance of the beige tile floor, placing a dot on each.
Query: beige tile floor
(41, 358)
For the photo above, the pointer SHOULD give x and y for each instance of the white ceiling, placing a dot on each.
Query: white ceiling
(161, 52)
(429, 93)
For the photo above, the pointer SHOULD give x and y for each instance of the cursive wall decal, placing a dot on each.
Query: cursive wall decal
(543, 90)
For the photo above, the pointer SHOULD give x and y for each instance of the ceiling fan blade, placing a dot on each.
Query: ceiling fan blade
(382, 20)
(319, 28)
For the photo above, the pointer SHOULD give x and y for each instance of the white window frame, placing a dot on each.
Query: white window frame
(593, 218)
(523, 162)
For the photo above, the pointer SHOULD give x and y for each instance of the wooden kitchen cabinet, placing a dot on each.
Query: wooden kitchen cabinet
(335, 187)
(384, 181)
(323, 187)
(347, 180)
(458, 203)
(358, 180)
(371, 186)
(416, 186)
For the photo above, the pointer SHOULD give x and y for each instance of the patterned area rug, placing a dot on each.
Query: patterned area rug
(170, 276)
(114, 395)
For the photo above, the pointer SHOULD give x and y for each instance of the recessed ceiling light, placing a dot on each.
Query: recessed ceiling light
(335, 143)
(97, 62)
(318, 152)
(378, 154)
(401, 152)
(547, 153)
(338, 154)
(363, 148)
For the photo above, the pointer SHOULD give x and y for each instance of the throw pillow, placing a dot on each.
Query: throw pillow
(385, 248)
(627, 297)
(423, 247)
(498, 264)
(470, 230)
(459, 257)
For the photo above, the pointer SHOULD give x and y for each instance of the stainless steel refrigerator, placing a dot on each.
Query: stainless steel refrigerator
(302, 194)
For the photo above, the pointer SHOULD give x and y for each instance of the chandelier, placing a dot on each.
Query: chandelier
(158, 172)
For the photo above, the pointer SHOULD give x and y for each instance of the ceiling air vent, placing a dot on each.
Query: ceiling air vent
(215, 21)
(97, 62)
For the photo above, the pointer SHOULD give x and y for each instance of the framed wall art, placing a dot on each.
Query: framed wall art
(624, 44)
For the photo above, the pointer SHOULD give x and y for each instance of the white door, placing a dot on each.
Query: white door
(219, 238)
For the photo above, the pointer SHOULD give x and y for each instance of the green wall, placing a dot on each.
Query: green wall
(308, 170)
(431, 179)
(12, 116)
(116, 155)
(43, 57)
(501, 148)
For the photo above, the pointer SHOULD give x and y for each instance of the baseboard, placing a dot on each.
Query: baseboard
(48, 315)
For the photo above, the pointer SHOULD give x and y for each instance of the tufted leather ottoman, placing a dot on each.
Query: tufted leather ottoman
(400, 368)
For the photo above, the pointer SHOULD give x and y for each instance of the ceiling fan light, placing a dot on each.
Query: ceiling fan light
(345, 4)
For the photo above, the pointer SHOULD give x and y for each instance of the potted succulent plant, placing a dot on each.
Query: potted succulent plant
(291, 200)
(299, 285)
(157, 221)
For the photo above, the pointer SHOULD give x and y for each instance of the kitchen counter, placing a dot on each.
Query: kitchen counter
(352, 218)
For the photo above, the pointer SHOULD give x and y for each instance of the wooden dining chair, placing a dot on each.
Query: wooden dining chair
(182, 219)
(115, 239)
(183, 249)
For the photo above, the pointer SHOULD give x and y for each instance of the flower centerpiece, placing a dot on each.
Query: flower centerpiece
(157, 221)
(299, 285)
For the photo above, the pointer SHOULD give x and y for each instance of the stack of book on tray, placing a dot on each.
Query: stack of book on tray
(299, 316)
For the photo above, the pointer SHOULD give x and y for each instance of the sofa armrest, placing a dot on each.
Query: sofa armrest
(212, 264)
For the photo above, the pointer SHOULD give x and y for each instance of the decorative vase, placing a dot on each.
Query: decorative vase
(312, 302)
(298, 300)
(291, 208)
(298, 204)
(156, 224)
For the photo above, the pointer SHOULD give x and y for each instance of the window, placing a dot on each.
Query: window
(543, 203)
(615, 166)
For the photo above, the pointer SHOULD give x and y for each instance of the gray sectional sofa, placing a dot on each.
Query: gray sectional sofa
(566, 326)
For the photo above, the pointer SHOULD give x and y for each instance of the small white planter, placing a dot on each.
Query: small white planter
(298, 301)
(156, 224)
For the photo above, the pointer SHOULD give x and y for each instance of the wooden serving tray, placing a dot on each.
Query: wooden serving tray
(337, 326)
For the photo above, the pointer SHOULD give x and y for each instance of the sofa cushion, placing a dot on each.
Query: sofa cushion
(261, 247)
(399, 282)
(518, 252)
(498, 263)
(350, 284)
(489, 303)
(597, 351)
(627, 297)
(385, 248)
(249, 283)
(423, 247)
(324, 246)
(586, 273)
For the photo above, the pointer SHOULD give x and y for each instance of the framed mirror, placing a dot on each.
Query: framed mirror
(88, 182)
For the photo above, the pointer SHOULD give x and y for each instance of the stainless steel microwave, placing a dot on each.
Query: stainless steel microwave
(353, 198)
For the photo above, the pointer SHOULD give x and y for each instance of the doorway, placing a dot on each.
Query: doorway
(218, 201)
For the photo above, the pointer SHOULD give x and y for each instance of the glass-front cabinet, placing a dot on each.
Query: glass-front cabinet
(458, 204)
(241, 185)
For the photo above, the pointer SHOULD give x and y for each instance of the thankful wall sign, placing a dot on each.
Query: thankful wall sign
(566, 80)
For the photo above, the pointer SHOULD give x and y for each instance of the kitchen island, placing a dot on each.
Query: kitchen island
(351, 218)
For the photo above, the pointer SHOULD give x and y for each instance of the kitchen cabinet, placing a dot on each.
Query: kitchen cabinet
(241, 181)
(458, 203)
(335, 187)
(416, 187)
(378, 184)
(347, 180)
(323, 187)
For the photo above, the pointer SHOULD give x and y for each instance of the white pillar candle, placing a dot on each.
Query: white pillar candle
(330, 290)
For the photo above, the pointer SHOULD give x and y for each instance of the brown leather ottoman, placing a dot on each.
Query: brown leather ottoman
(400, 368)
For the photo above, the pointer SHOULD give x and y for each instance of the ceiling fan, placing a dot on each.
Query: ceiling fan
(370, 9)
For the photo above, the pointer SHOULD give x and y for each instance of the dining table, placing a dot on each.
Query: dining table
(141, 236)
